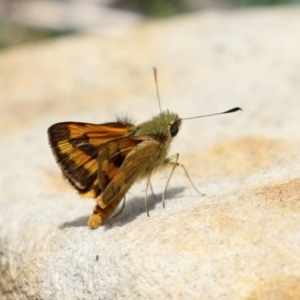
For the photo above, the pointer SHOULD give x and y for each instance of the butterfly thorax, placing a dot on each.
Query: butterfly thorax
(160, 130)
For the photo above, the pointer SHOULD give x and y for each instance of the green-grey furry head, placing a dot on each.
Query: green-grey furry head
(166, 124)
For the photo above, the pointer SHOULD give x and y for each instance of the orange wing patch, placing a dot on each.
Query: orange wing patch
(76, 147)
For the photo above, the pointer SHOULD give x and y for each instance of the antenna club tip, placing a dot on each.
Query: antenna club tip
(234, 110)
(224, 112)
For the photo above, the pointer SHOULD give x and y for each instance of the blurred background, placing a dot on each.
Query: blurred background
(23, 21)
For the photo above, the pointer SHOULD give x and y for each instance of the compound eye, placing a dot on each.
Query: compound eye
(174, 128)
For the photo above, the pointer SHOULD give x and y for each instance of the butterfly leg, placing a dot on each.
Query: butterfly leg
(123, 205)
(101, 214)
(146, 195)
(168, 161)
(152, 191)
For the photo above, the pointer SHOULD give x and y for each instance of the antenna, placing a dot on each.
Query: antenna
(155, 78)
(221, 113)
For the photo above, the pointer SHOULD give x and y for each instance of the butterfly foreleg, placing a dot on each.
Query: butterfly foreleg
(173, 162)
(152, 191)
(121, 209)
(146, 194)
(168, 161)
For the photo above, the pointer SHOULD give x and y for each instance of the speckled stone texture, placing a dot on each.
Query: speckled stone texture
(239, 241)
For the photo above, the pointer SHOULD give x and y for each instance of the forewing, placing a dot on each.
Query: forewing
(137, 161)
(76, 148)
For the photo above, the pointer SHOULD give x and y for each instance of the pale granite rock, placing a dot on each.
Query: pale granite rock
(240, 241)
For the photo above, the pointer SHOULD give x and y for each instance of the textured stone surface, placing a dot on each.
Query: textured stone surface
(240, 241)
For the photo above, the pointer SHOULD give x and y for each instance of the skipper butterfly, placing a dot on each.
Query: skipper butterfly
(102, 161)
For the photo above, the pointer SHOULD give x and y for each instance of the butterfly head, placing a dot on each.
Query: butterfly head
(172, 121)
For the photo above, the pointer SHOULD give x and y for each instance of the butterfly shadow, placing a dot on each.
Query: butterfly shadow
(136, 207)
(132, 209)
(79, 222)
